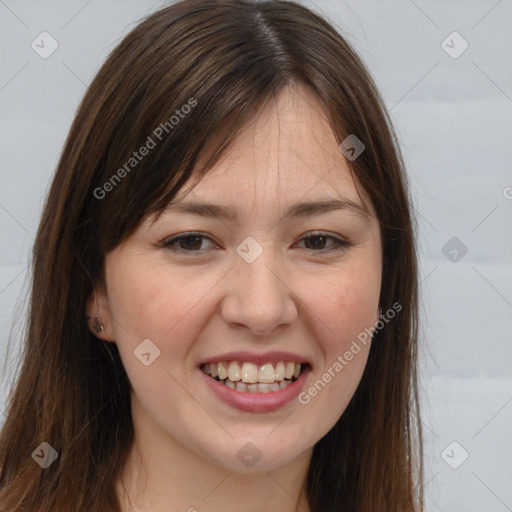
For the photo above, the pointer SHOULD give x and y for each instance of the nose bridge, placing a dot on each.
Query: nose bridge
(257, 296)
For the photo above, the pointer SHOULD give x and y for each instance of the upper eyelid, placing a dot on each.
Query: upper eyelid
(314, 232)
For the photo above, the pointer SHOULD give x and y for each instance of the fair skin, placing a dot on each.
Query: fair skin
(298, 295)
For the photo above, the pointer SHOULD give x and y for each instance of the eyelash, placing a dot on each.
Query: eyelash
(339, 244)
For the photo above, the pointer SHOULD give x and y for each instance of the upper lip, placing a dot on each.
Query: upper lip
(253, 357)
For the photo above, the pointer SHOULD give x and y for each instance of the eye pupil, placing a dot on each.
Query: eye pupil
(315, 245)
(186, 240)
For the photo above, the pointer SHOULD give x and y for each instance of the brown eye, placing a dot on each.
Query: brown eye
(185, 243)
(318, 241)
(192, 243)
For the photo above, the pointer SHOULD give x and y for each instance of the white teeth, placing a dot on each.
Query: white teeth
(234, 371)
(253, 378)
(266, 374)
(256, 388)
(274, 386)
(240, 386)
(280, 371)
(222, 369)
(290, 367)
(249, 373)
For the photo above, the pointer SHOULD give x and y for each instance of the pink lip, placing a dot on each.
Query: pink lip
(251, 357)
(257, 402)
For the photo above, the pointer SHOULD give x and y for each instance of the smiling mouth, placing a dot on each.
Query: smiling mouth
(251, 378)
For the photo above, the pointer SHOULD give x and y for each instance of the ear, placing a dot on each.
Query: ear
(96, 304)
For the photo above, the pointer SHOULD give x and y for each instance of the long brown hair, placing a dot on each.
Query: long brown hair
(225, 59)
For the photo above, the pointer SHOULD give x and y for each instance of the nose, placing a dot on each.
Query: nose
(258, 298)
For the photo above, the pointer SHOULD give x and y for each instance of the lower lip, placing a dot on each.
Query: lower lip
(257, 402)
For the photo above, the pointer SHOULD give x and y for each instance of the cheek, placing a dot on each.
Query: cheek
(147, 303)
(165, 307)
(347, 303)
(345, 306)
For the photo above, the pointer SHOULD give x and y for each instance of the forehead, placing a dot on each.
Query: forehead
(288, 151)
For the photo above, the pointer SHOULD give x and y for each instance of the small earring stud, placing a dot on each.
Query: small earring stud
(97, 327)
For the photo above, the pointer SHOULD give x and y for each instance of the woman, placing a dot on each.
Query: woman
(274, 368)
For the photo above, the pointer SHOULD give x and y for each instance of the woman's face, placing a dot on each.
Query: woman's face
(256, 292)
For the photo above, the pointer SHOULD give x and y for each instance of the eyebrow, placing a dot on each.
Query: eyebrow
(304, 209)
